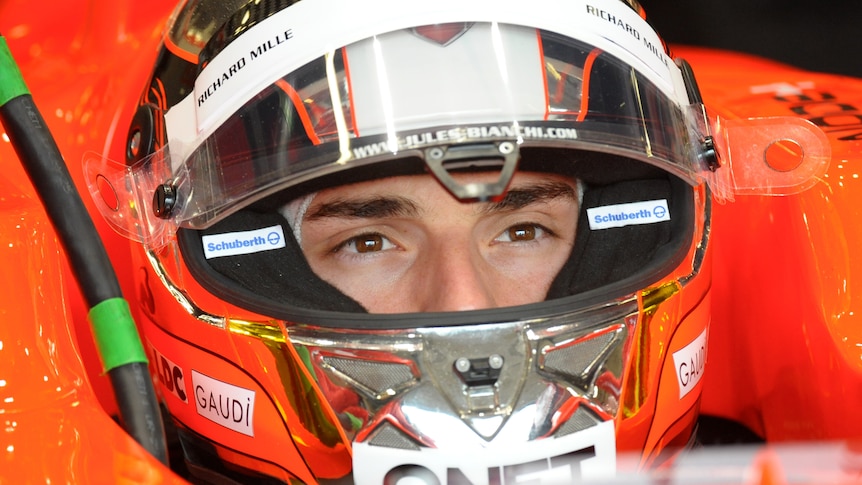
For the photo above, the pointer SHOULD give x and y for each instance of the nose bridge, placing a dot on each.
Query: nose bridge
(457, 278)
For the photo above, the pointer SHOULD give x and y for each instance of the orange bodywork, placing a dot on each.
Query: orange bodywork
(785, 335)
(785, 347)
(55, 428)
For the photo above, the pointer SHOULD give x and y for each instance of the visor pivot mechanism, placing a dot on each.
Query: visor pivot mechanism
(164, 200)
(479, 372)
(708, 153)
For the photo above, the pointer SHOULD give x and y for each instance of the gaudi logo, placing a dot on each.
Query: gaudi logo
(225, 404)
(689, 362)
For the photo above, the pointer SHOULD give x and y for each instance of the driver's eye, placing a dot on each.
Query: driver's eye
(526, 232)
(367, 243)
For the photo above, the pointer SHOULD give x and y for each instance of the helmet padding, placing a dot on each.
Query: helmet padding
(277, 275)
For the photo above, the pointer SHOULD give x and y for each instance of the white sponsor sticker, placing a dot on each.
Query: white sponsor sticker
(287, 40)
(461, 134)
(586, 455)
(225, 404)
(620, 215)
(623, 26)
(246, 242)
(689, 363)
(291, 38)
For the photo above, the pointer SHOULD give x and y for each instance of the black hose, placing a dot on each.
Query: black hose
(121, 351)
(140, 416)
(39, 153)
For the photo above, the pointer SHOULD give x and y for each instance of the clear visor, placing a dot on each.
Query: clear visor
(482, 91)
(491, 87)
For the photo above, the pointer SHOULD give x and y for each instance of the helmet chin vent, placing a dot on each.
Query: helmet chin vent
(581, 360)
(389, 436)
(376, 379)
(581, 420)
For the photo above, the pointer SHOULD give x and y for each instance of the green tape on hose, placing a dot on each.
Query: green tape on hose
(11, 83)
(116, 335)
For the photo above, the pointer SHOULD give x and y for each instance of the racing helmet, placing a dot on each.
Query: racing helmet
(259, 112)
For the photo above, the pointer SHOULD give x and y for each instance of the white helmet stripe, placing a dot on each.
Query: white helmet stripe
(308, 30)
(506, 80)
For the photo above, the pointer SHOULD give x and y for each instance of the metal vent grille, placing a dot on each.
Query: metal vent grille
(378, 377)
(390, 437)
(581, 420)
(575, 360)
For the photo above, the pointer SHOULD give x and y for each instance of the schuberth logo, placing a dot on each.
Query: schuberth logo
(635, 213)
(244, 242)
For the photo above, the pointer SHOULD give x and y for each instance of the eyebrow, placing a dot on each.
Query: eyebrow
(520, 197)
(366, 208)
(380, 207)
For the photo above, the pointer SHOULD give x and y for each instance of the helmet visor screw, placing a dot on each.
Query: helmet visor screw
(135, 143)
(164, 200)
